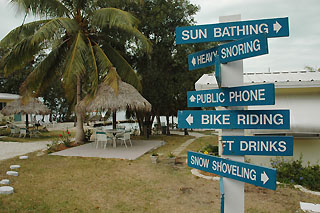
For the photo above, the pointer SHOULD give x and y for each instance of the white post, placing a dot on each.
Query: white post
(232, 75)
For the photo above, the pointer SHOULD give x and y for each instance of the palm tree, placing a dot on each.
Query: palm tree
(71, 37)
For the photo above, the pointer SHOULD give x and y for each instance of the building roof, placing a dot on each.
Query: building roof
(292, 79)
(285, 79)
(7, 96)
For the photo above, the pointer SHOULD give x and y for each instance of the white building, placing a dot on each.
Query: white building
(300, 93)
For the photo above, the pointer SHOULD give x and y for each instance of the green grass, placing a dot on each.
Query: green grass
(74, 184)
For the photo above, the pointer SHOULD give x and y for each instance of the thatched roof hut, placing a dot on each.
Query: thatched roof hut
(30, 106)
(106, 99)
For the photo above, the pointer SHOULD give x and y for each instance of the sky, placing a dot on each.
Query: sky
(293, 53)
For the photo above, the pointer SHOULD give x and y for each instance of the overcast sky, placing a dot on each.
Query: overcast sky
(293, 53)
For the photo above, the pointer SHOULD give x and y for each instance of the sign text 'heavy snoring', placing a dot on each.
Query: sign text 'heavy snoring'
(237, 50)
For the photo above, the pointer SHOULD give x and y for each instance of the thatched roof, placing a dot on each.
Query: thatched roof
(30, 106)
(106, 99)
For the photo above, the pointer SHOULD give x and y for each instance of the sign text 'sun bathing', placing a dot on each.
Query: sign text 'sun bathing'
(276, 27)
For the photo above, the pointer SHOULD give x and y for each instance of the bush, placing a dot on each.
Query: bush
(5, 132)
(87, 135)
(210, 149)
(293, 172)
(54, 146)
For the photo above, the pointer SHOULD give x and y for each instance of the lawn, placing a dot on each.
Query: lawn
(74, 184)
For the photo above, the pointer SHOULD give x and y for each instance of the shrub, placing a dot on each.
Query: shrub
(54, 146)
(293, 172)
(171, 155)
(5, 132)
(65, 138)
(87, 135)
(154, 154)
(210, 149)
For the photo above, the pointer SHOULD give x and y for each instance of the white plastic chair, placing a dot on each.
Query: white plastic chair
(124, 136)
(23, 132)
(101, 137)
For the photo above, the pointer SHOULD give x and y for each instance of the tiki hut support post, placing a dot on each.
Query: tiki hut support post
(114, 119)
(27, 122)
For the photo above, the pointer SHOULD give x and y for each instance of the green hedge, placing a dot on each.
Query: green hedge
(293, 172)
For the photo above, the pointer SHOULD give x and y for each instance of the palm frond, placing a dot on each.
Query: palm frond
(52, 8)
(112, 79)
(124, 70)
(95, 75)
(104, 63)
(52, 27)
(42, 75)
(113, 17)
(75, 64)
(24, 51)
(114, 2)
(18, 33)
(144, 42)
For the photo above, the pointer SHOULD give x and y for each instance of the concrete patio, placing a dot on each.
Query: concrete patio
(139, 147)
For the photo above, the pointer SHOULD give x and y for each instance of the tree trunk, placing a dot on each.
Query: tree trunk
(159, 124)
(145, 123)
(186, 131)
(168, 130)
(79, 115)
(172, 122)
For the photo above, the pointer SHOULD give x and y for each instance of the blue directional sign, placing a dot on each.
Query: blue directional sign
(258, 145)
(245, 172)
(240, 49)
(243, 48)
(276, 27)
(262, 94)
(234, 119)
(204, 58)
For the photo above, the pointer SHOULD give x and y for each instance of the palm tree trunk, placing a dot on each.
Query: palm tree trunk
(79, 115)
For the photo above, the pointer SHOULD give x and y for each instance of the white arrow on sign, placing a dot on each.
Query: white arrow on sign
(194, 62)
(190, 119)
(192, 98)
(277, 27)
(264, 177)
